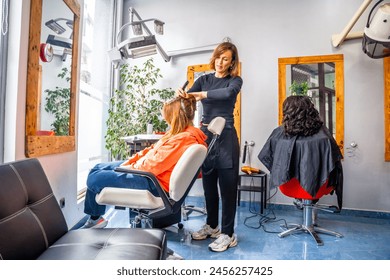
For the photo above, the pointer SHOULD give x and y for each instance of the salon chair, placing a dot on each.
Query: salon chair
(32, 225)
(165, 210)
(309, 204)
(150, 208)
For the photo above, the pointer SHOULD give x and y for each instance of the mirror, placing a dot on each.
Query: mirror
(52, 71)
(323, 78)
(195, 71)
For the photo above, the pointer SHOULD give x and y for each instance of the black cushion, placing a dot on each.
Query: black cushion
(109, 244)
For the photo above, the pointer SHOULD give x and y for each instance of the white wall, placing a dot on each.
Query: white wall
(263, 31)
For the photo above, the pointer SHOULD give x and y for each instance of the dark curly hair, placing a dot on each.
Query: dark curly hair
(300, 117)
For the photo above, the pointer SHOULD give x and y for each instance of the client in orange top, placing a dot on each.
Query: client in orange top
(159, 159)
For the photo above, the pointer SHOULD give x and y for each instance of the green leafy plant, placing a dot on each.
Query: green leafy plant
(299, 89)
(135, 105)
(58, 104)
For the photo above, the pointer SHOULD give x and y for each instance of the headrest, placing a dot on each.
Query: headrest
(216, 125)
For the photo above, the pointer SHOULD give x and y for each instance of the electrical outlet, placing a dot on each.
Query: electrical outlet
(62, 202)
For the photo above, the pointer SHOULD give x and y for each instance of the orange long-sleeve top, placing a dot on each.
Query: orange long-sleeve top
(161, 157)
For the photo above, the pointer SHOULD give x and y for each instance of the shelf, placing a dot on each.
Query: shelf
(259, 184)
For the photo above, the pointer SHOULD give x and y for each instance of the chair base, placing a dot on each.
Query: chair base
(140, 219)
(312, 230)
(188, 209)
(309, 224)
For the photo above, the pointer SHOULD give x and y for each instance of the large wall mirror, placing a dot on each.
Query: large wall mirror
(52, 77)
(195, 71)
(322, 77)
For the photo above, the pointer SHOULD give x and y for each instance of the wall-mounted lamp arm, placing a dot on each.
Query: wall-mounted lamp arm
(338, 39)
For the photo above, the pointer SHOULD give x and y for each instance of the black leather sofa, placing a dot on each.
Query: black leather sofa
(32, 225)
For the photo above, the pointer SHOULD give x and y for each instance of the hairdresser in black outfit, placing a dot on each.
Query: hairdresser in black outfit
(218, 93)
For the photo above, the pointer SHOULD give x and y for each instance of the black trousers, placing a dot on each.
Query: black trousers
(227, 180)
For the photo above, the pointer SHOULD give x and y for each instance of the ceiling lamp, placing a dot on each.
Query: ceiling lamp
(376, 37)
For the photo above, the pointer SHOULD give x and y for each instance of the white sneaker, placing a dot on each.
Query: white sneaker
(205, 232)
(223, 242)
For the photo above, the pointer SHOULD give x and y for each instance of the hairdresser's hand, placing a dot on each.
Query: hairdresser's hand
(199, 95)
(181, 92)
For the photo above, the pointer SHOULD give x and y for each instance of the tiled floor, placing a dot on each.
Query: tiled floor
(365, 238)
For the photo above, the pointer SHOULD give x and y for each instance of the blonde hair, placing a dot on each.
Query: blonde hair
(219, 50)
(179, 112)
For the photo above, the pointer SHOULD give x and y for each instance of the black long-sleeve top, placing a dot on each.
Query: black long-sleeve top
(221, 96)
(221, 99)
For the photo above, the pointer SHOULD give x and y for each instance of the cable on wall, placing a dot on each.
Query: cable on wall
(4, 17)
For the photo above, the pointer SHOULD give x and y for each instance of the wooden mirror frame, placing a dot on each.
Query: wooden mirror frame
(43, 145)
(338, 60)
(192, 69)
(386, 71)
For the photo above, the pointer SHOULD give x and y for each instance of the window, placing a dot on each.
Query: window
(4, 7)
(95, 87)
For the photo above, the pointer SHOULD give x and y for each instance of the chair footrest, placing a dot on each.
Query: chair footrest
(131, 198)
(327, 208)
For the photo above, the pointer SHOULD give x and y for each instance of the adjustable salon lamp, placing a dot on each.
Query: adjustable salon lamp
(141, 45)
(144, 45)
(64, 44)
(376, 38)
(58, 28)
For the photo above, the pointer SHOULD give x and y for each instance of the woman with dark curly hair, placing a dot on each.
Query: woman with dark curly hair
(300, 117)
(302, 148)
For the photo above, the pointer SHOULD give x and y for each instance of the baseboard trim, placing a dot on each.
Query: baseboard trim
(343, 212)
(199, 202)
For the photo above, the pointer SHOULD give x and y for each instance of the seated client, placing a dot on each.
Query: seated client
(316, 159)
(159, 159)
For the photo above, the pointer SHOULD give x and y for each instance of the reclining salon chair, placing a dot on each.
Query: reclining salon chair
(164, 210)
(293, 189)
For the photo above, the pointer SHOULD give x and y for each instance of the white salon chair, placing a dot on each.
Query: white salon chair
(166, 209)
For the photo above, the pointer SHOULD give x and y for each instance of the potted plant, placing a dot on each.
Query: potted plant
(135, 105)
(58, 104)
(299, 89)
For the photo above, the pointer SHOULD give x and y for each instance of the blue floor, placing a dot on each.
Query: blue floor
(365, 238)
